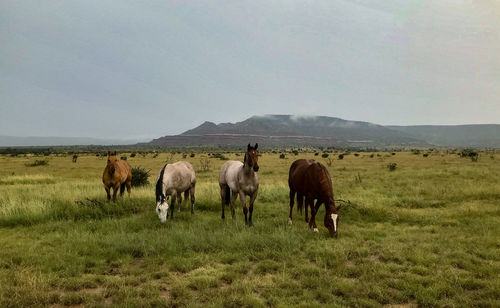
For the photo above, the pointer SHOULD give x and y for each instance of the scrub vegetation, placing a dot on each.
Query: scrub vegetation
(423, 234)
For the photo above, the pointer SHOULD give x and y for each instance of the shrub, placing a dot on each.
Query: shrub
(324, 155)
(425, 154)
(392, 166)
(140, 176)
(123, 158)
(295, 152)
(341, 156)
(133, 154)
(191, 155)
(37, 163)
(473, 155)
(371, 155)
(75, 157)
(316, 154)
(282, 156)
(219, 156)
(356, 154)
(204, 164)
(393, 153)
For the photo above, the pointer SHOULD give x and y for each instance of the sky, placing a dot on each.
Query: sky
(144, 69)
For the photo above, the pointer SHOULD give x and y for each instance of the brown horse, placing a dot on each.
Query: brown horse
(117, 174)
(312, 180)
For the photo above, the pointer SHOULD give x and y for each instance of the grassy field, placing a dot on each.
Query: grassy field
(426, 234)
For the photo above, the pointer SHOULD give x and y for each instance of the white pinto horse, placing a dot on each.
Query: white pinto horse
(173, 180)
(241, 179)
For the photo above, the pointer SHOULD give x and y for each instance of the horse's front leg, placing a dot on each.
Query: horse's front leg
(314, 210)
(116, 188)
(108, 195)
(292, 198)
(252, 200)
(172, 205)
(244, 204)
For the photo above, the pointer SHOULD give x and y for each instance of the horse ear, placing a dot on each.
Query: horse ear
(249, 147)
(256, 146)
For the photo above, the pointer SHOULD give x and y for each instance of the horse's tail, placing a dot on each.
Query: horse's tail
(228, 194)
(122, 188)
(159, 185)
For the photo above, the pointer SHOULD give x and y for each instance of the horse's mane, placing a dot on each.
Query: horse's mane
(160, 196)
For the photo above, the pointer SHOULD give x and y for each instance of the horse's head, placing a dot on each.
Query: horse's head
(162, 209)
(112, 160)
(332, 218)
(252, 157)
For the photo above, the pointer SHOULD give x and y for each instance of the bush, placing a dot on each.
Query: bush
(324, 155)
(473, 155)
(356, 154)
(219, 156)
(425, 154)
(282, 156)
(191, 155)
(37, 163)
(204, 164)
(316, 154)
(133, 154)
(295, 152)
(140, 176)
(123, 158)
(392, 166)
(341, 156)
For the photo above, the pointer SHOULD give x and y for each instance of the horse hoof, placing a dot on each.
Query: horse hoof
(289, 221)
(315, 230)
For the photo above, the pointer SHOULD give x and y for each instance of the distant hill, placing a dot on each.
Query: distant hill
(474, 136)
(288, 130)
(14, 141)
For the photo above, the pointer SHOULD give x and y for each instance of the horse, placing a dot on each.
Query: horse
(312, 180)
(241, 179)
(173, 180)
(117, 174)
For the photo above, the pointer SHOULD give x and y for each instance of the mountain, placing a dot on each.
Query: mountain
(474, 136)
(288, 130)
(14, 141)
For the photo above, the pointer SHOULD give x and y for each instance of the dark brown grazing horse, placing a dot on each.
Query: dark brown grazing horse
(117, 174)
(312, 180)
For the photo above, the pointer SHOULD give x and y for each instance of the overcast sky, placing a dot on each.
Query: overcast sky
(143, 69)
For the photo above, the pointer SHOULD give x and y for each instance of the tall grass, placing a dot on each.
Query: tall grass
(424, 235)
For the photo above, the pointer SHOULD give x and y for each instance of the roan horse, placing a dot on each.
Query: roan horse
(117, 174)
(173, 180)
(241, 179)
(311, 180)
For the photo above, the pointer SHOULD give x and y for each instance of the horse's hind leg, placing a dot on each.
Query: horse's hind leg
(222, 198)
(122, 189)
(300, 202)
(191, 193)
(186, 197)
(233, 201)
(129, 186)
(292, 198)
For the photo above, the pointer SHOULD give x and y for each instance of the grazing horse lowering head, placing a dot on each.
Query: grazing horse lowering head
(112, 161)
(162, 209)
(332, 218)
(252, 157)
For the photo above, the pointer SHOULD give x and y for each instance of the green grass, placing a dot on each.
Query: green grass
(425, 234)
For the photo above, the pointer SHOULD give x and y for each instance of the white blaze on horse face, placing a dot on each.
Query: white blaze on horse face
(162, 210)
(334, 218)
